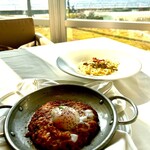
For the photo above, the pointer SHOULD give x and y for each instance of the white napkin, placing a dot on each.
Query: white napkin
(8, 81)
(121, 141)
(22, 88)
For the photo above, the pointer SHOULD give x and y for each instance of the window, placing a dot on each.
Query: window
(123, 20)
(38, 9)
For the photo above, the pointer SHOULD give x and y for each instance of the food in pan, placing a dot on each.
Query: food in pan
(98, 67)
(63, 124)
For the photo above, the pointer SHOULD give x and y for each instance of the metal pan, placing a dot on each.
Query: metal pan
(15, 126)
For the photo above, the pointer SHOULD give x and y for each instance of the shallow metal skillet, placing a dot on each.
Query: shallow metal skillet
(15, 126)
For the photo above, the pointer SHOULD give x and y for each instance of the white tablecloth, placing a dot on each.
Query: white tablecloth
(135, 87)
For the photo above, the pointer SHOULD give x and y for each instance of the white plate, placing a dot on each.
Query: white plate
(128, 65)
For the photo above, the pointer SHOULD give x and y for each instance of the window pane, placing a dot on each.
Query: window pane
(110, 10)
(22, 7)
(122, 10)
(38, 9)
(140, 39)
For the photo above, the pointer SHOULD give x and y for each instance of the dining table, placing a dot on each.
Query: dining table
(39, 62)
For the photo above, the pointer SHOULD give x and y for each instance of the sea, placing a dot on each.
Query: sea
(77, 4)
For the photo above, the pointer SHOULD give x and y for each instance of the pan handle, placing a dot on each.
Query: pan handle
(3, 117)
(135, 109)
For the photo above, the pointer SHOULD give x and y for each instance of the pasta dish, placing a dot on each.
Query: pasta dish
(98, 67)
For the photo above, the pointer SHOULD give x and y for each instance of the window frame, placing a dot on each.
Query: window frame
(59, 23)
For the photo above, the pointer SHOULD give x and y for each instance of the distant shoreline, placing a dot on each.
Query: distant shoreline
(143, 16)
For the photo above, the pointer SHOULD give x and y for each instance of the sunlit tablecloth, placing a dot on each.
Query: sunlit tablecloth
(135, 87)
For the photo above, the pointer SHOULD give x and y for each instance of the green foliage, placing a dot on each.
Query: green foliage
(91, 15)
